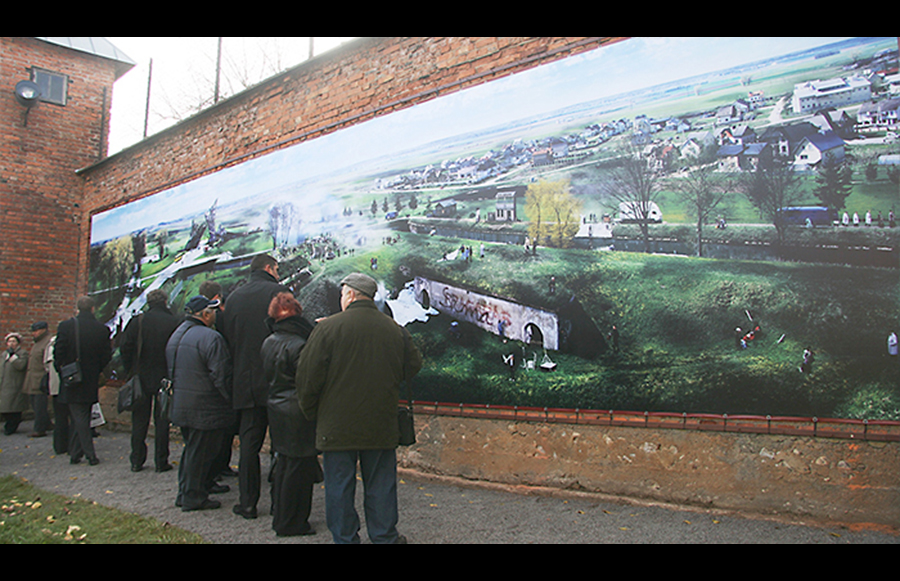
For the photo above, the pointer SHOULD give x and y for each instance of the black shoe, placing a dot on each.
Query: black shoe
(164, 468)
(136, 468)
(400, 540)
(219, 488)
(248, 513)
(228, 472)
(207, 504)
(75, 460)
(93, 461)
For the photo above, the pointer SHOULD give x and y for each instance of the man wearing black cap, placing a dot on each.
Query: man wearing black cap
(200, 370)
(348, 380)
(34, 386)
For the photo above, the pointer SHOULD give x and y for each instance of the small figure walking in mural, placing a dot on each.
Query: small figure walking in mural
(510, 361)
(614, 339)
(808, 358)
(892, 344)
(552, 286)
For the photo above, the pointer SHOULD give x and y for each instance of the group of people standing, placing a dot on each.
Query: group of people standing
(255, 365)
(868, 219)
(81, 344)
(246, 367)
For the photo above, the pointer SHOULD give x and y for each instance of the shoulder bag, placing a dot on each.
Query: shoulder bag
(70, 374)
(131, 393)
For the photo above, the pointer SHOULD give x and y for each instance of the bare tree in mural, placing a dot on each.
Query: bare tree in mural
(637, 184)
(703, 191)
(281, 219)
(771, 189)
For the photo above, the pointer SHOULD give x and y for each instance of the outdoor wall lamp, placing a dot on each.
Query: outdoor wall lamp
(27, 94)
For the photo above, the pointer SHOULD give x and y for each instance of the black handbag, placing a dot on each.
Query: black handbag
(406, 421)
(131, 393)
(70, 373)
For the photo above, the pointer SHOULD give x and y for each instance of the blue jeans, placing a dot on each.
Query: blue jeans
(379, 475)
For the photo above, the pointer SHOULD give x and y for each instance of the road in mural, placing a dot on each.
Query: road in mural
(684, 225)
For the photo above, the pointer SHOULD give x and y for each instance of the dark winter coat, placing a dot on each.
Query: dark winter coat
(349, 377)
(96, 352)
(291, 433)
(156, 325)
(243, 323)
(200, 369)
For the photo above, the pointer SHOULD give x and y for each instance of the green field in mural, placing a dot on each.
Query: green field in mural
(604, 232)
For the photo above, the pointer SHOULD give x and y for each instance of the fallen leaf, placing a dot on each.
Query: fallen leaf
(623, 528)
(835, 535)
(36, 505)
(687, 522)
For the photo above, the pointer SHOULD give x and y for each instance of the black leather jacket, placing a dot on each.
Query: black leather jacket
(291, 433)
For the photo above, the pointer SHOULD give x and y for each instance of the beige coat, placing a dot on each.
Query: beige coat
(36, 370)
(12, 375)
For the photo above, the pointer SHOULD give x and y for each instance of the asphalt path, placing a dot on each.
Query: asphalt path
(432, 510)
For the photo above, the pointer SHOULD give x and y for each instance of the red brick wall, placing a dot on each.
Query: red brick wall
(42, 216)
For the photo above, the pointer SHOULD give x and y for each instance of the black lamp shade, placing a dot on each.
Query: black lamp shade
(27, 93)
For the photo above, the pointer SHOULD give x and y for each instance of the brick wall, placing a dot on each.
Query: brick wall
(42, 216)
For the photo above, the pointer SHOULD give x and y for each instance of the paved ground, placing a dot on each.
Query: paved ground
(432, 510)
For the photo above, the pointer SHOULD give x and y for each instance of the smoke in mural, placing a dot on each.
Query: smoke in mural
(684, 225)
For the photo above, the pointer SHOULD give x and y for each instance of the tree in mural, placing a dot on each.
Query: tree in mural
(834, 183)
(553, 214)
(637, 185)
(281, 219)
(771, 189)
(116, 261)
(702, 191)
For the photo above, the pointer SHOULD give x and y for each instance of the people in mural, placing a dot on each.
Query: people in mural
(85, 341)
(892, 344)
(808, 358)
(200, 370)
(143, 351)
(358, 355)
(293, 437)
(244, 326)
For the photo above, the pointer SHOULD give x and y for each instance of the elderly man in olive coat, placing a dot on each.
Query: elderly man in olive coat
(348, 380)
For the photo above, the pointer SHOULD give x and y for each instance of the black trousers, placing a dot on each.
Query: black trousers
(41, 413)
(195, 474)
(140, 425)
(292, 488)
(81, 438)
(12, 421)
(254, 423)
(60, 426)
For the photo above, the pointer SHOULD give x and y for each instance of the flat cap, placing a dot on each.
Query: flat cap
(362, 283)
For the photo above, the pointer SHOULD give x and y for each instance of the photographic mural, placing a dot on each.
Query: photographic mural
(684, 225)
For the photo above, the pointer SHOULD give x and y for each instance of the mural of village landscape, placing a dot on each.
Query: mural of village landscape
(684, 225)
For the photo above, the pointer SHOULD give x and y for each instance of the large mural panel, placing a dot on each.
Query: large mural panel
(687, 225)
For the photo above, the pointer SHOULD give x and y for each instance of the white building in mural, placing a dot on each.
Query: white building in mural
(495, 315)
(813, 96)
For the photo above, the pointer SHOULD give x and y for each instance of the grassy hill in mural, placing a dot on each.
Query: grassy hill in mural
(677, 318)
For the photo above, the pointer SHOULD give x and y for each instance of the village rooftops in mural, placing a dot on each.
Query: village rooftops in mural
(683, 225)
